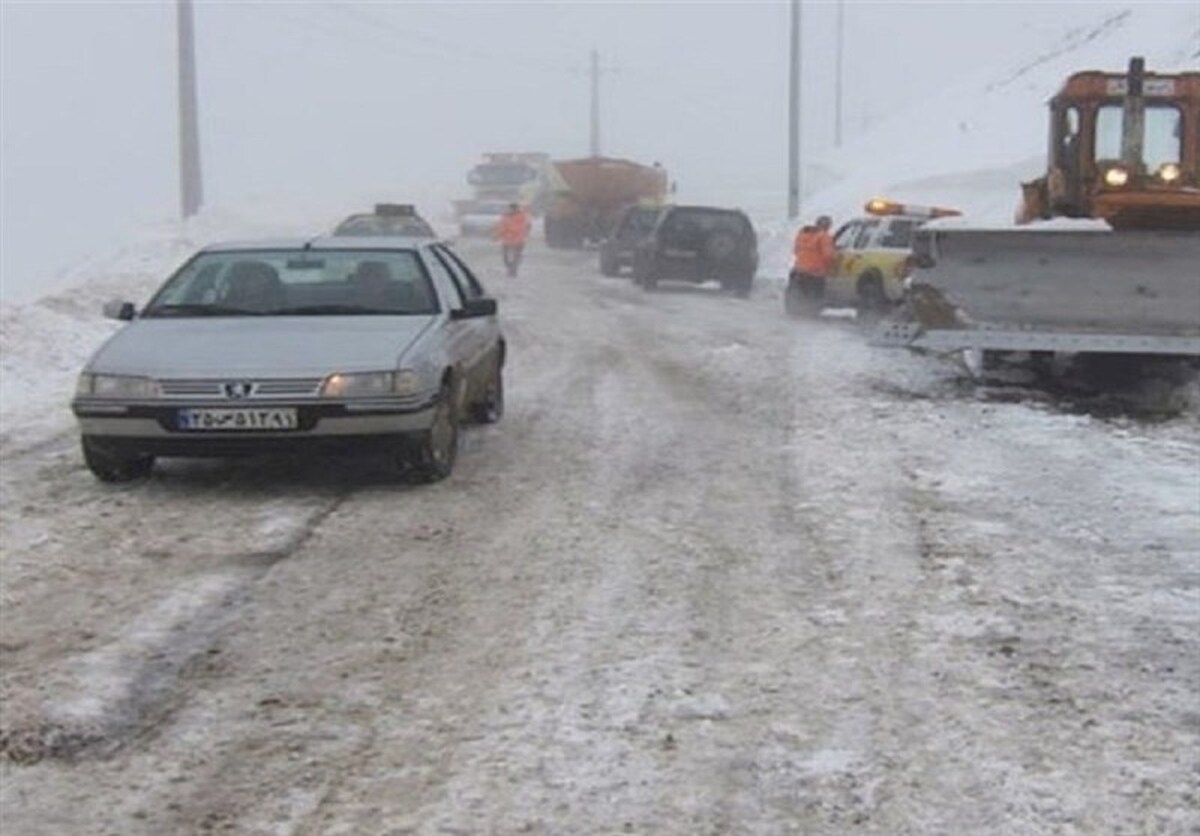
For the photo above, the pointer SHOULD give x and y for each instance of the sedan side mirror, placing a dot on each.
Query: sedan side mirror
(482, 306)
(118, 309)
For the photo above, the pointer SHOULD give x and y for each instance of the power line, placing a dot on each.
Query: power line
(451, 49)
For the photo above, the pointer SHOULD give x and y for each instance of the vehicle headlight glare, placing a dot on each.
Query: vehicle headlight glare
(370, 384)
(357, 385)
(117, 386)
(1169, 172)
(1116, 176)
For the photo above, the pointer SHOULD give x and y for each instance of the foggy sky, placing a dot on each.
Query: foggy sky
(329, 99)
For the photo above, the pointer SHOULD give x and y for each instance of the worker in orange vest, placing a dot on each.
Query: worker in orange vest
(814, 258)
(512, 231)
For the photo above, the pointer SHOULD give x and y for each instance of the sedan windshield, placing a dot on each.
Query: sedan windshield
(297, 283)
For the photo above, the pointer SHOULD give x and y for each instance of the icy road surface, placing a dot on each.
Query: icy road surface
(716, 572)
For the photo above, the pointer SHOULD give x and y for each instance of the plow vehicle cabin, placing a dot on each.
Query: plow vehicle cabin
(1124, 160)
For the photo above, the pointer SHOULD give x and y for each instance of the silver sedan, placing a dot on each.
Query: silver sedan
(288, 345)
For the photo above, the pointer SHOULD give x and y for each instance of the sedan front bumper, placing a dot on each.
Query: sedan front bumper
(156, 429)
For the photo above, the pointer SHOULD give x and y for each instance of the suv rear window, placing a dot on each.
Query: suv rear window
(699, 223)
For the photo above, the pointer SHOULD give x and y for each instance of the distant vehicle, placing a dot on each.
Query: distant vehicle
(590, 193)
(699, 244)
(388, 219)
(260, 347)
(633, 224)
(522, 177)
(481, 218)
(874, 257)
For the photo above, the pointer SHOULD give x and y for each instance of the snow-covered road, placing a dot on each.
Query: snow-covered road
(716, 572)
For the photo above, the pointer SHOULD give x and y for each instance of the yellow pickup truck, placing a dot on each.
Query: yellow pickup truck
(873, 255)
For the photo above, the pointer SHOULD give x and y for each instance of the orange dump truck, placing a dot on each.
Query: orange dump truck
(588, 194)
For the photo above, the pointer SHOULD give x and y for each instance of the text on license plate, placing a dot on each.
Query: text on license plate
(237, 419)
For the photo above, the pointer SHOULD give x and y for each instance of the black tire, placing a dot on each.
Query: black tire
(432, 453)
(608, 263)
(742, 286)
(644, 272)
(872, 300)
(551, 231)
(793, 300)
(490, 408)
(109, 465)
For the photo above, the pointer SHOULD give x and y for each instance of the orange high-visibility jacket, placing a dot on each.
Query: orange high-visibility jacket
(513, 228)
(814, 251)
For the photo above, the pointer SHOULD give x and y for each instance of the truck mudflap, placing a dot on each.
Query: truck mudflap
(1050, 289)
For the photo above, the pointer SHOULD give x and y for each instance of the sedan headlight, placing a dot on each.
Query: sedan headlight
(117, 386)
(1168, 172)
(1116, 176)
(371, 384)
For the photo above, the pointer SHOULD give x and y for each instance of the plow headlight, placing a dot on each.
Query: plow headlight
(1116, 176)
(1168, 172)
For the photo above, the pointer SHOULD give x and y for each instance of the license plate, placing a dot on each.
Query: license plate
(237, 420)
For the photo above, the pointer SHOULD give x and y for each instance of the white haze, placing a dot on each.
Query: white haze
(328, 103)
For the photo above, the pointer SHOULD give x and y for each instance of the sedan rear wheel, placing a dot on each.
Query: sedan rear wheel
(432, 455)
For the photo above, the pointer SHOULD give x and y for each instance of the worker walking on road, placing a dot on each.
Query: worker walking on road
(814, 258)
(512, 231)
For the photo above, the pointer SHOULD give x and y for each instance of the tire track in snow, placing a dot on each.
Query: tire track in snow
(127, 686)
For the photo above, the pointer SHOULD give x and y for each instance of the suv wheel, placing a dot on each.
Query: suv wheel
(608, 262)
(109, 465)
(644, 272)
(742, 285)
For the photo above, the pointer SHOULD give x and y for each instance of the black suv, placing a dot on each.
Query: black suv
(699, 244)
(633, 224)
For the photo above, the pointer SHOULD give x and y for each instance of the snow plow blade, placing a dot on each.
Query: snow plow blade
(1070, 290)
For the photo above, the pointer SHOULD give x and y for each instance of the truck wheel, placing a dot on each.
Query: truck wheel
(109, 465)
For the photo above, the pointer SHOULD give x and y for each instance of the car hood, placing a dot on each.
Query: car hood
(284, 346)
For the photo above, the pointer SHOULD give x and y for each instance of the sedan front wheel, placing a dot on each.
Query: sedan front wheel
(110, 465)
(432, 454)
(490, 408)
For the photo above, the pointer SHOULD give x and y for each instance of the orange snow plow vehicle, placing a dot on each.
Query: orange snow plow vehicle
(1124, 159)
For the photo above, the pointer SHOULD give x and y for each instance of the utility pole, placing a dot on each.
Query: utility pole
(794, 115)
(595, 103)
(837, 96)
(191, 191)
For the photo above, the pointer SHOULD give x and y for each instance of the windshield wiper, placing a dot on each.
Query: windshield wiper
(199, 309)
(331, 310)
